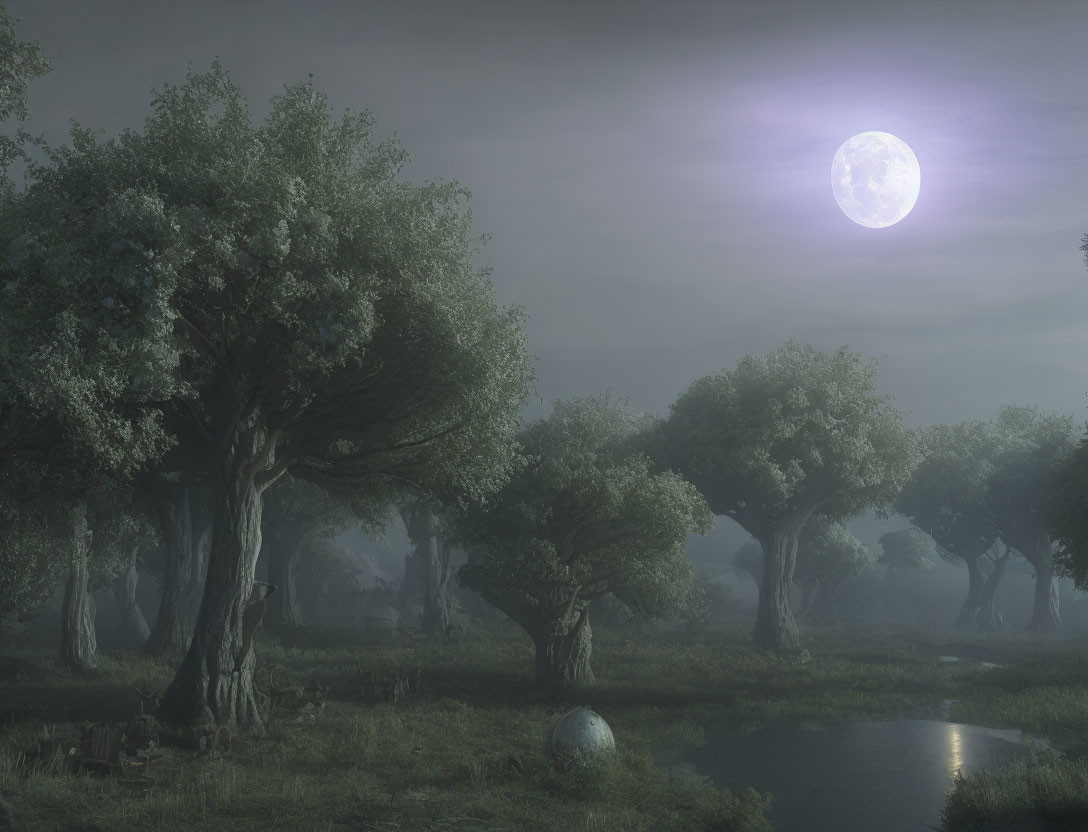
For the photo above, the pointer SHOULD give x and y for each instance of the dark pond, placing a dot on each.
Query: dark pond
(865, 777)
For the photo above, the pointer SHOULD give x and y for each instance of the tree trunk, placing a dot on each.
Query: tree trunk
(215, 680)
(411, 588)
(436, 579)
(283, 556)
(171, 632)
(132, 627)
(78, 644)
(563, 650)
(426, 572)
(1046, 611)
(975, 589)
(441, 590)
(776, 628)
(985, 618)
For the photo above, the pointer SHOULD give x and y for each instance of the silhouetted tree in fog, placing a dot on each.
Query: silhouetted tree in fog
(1033, 446)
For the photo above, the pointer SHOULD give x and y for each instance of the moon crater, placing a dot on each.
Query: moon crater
(875, 178)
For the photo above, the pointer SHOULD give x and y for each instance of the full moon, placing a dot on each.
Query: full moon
(875, 178)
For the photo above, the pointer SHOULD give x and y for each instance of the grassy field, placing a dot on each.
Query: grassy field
(469, 755)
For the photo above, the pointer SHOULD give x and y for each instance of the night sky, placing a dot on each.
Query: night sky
(655, 176)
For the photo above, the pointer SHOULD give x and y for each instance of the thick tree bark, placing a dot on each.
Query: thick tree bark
(436, 598)
(215, 680)
(776, 628)
(564, 646)
(284, 608)
(171, 631)
(132, 627)
(986, 619)
(411, 588)
(426, 573)
(78, 644)
(1046, 610)
(976, 582)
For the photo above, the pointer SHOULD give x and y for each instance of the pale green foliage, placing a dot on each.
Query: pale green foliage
(279, 280)
(791, 431)
(325, 278)
(85, 326)
(830, 552)
(20, 62)
(947, 495)
(908, 552)
(587, 516)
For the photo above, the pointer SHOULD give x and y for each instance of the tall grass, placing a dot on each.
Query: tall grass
(471, 755)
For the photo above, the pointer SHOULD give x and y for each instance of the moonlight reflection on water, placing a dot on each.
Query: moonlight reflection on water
(890, 776)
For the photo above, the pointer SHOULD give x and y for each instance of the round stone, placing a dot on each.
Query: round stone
(578, 734)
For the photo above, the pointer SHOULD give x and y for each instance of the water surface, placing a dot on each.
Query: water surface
(865, 777)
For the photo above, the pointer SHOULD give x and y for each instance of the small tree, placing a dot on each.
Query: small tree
(828, 554)
(587, 516)
(780, 438)
(907, 553)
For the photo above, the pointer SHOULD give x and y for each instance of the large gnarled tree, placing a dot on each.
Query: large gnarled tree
(312, 314)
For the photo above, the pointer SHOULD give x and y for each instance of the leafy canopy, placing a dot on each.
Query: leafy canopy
(947, 496)
(588, 515)
(794, 431)
(1033, 446)
(277, 284)
(830, 552)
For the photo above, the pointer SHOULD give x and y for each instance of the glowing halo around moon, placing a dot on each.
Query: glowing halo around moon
(875, 178)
